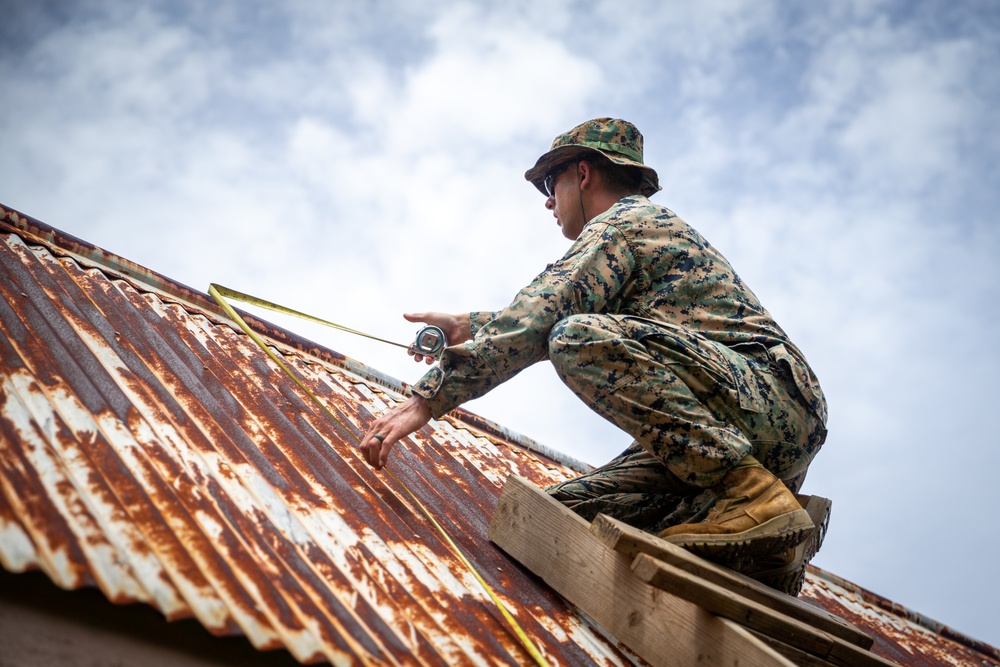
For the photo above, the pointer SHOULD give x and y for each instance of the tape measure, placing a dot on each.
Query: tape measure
(429, 338)
(430, 342)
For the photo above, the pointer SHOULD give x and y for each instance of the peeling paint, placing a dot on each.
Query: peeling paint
(900, 634)
(18, 553)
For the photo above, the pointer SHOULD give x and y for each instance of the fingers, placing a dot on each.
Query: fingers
(419, 357)
(386, 431)
(375, 447)
(426, 318)
(456, 327)
(383, 455)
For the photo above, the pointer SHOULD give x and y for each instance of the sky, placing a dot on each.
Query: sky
(358, 160)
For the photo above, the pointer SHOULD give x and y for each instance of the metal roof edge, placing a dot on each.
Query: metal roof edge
(908, 614)
(93, 256)
(97, 257)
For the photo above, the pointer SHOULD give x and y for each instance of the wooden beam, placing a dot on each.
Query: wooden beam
(631, 541)
(799, 657)
(752, 615)
(557, 545)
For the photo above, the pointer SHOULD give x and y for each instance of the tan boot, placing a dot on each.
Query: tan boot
(819, 509)
(786, 571)
(755, 517)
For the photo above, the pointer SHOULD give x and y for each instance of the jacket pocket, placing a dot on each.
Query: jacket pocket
(746, 385)
(807, 385)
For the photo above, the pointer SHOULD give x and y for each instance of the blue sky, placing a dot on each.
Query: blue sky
(359, 160)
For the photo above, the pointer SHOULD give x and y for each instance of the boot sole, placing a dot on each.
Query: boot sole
(789, 578)
(819, 511)
(733, 549)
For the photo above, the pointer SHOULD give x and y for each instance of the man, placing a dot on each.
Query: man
(650, 326)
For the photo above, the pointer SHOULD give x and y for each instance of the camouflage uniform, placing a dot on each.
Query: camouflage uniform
(650, 326)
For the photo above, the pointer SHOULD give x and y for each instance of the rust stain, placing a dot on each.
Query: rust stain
(901, 635)
(58, 551)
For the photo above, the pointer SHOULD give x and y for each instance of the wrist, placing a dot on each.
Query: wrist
(465, 326)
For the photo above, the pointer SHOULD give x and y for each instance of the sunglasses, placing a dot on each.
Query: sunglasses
(550, 178)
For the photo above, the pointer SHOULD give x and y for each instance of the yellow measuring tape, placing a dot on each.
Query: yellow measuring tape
(220, 294)
(268, 305)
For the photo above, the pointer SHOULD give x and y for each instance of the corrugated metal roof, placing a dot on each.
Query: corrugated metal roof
(901, 635)
(149, 448)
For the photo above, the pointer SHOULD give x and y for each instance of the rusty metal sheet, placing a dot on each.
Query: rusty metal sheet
(149, 448)
(901, 635)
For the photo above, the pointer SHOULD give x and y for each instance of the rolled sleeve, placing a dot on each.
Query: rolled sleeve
(479, 319)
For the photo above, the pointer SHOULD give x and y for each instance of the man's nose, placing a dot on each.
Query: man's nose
(550, 203)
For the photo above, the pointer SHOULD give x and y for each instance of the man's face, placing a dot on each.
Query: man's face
(564, 199)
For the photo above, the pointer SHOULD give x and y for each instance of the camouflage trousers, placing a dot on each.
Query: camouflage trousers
(694, 407)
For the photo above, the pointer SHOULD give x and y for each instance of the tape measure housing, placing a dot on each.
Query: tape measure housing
(430, 342)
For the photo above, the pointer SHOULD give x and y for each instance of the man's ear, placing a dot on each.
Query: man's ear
(587, 174)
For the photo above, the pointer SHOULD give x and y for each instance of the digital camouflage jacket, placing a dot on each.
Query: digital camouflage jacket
(637, 259)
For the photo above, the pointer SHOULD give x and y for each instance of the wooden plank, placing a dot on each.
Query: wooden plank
(799, 657)
(752, 615)
(557, 545)
(631, 541)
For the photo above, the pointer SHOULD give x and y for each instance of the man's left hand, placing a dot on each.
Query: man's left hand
(398, 423)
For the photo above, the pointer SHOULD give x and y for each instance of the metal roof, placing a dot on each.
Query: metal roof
(901, 635)
(149, 448)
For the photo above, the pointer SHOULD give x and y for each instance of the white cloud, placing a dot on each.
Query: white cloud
(898, 114)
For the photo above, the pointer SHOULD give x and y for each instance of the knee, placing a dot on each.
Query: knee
(565, 335)
(574, 340)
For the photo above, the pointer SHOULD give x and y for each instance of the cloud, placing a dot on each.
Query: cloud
(432, 161)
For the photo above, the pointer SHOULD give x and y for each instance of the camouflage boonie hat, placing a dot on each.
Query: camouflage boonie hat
(617, 140)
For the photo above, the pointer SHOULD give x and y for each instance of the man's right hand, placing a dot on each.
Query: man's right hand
(458, 329)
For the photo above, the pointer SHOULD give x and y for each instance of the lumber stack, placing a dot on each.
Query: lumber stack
(669, 606)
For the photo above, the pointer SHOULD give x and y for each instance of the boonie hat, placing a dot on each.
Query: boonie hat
(617, 140)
